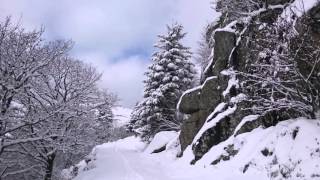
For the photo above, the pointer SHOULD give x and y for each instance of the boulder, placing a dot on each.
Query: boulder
(189, 101)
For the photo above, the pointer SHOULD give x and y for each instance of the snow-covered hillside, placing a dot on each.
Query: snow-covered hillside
(289, 150)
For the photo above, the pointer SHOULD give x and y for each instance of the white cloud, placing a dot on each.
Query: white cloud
(116, 36)
(125, 78)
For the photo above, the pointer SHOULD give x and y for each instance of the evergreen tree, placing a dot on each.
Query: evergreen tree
(104, 117)
(170, 74)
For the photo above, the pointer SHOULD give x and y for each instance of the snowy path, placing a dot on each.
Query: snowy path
(116, 163)
(127, 159)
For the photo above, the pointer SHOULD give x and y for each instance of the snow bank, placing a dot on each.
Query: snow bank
(160, 140)
(290, 150)
(130, 143)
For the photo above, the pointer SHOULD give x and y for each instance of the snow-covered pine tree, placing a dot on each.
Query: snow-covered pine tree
(135, 118)
(170, 74)
(104, 116)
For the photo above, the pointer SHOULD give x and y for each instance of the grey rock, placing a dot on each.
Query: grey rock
(191, 127)
(200, 102)
(210, 94)
(211, 137)
(220, 132)
(189, 102)
(224, 43)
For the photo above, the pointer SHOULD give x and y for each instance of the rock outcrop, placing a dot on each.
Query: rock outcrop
(198, 103)
(221, 86)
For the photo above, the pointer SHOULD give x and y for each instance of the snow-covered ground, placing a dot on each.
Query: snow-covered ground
(121, 115)
(291, 149)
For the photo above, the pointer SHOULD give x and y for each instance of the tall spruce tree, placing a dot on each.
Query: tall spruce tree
(170, 74)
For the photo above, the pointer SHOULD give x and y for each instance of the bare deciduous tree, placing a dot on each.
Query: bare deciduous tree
(50, 104)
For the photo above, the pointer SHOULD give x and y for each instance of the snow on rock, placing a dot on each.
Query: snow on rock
(239, 98)
(289, 150)
(244, 120)
(229, 28)
(212, 122)
(187, 92)
(233, 81)
(121, 115)
(160, 140)
(299, 7)
(218, 109)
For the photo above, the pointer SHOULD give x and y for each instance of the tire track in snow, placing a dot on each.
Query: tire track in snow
(132, 175)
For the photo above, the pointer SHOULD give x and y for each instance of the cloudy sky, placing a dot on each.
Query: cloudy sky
(116, 36)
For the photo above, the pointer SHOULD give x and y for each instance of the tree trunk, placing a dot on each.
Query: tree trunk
(49, 167)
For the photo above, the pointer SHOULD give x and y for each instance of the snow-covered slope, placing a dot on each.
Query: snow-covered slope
(160, 140)
(289, 150)
(121, 115)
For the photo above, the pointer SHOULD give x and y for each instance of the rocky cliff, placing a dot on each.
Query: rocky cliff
(215, 110)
